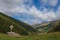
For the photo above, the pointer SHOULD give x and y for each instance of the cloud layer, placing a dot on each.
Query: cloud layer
(27, 11)
(50, 2)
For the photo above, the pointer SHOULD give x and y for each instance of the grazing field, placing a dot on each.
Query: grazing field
(49, 36)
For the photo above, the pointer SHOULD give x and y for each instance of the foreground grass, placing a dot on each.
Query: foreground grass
(49, 36)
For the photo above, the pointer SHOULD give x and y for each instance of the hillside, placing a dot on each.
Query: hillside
(52, 26)
(19, 27)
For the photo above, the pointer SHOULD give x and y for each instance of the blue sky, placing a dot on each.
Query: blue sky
(31, 11)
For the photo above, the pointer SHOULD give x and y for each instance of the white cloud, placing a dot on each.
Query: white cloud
(20, 9)
(42, 14)
(58, 13)
(10, 4)
(35, 12)
(33, 21)
(50, 2)
(53, 2)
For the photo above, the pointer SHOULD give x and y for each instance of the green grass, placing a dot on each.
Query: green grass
(49, 36)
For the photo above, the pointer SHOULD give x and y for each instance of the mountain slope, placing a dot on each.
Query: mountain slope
(56, 26)
(52, 26)
(19, 27)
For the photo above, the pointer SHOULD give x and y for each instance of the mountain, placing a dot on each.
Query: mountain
(52, 26)
(19, 26)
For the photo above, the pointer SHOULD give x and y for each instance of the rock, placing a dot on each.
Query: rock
(12, 34)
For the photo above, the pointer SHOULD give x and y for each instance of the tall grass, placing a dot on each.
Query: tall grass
(49, 36)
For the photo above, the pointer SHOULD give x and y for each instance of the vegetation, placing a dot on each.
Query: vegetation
(19, 27)
(49, 36)
(52, 26)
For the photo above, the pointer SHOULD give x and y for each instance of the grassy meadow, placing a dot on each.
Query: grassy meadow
(47, 36)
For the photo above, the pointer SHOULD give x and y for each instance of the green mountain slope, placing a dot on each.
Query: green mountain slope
(56, 26)
(19, 27)
(52, 26)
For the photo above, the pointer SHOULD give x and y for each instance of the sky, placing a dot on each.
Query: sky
(31, 11)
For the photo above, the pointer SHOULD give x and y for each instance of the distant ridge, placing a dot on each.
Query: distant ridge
(52, 26)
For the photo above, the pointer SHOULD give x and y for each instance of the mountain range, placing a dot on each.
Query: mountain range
(52, 26)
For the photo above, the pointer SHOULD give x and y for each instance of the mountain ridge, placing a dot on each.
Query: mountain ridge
(51, 26)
